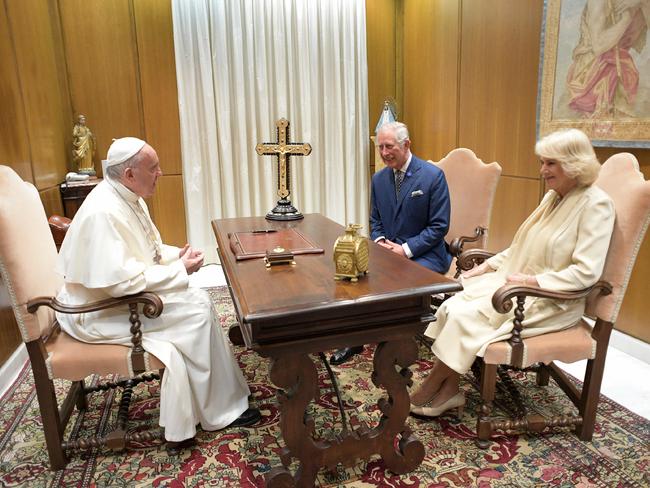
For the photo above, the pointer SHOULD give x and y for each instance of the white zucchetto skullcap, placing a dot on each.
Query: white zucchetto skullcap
(122, 149)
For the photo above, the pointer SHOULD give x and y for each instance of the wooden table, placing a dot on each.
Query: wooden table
(287, 312)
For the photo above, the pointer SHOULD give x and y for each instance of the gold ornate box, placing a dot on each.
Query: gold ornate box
(351, 254)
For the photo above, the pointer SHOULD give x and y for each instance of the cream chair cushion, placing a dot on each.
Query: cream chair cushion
(569, 345)
(73, 360)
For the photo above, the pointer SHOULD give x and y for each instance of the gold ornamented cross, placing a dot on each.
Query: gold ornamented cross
(283, 149)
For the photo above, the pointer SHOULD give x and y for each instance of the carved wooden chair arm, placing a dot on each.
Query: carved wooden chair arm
(59, 221)
(502, 300)
(472, 257)
(152, 307)
(456, 246)
(58, 226)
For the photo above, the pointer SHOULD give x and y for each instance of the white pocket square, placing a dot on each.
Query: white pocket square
(417, 193)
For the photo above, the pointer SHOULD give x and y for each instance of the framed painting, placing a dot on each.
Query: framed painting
(595, 70)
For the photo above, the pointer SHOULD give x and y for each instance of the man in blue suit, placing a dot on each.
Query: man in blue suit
(410, 208)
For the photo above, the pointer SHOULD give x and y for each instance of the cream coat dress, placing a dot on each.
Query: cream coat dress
(112, 249)
(563, 243)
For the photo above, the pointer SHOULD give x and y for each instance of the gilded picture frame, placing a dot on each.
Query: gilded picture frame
(602, 89)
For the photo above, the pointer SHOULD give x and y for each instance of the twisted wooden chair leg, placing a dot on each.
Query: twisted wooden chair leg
(119, 437)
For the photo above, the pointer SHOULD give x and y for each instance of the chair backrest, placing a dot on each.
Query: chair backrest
(27, 253)
(472, 186)
(624, 183)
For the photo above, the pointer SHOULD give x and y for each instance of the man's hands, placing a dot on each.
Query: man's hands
(192, 258)
(396, 248)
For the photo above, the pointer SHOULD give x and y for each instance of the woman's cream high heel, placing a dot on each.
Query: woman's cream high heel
(457, 402)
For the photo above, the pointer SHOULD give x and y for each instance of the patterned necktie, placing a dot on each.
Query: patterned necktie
(399, 176)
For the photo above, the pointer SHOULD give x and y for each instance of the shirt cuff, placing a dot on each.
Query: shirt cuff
(407, 250)
(169, 254)
(491, 263)
(380, 238)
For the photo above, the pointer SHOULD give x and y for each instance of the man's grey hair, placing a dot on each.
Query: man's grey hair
(399, 129)
(116, 172)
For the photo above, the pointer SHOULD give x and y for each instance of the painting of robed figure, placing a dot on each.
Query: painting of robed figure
(595, 70)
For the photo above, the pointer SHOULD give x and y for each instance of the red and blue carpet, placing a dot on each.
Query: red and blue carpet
(617, 457)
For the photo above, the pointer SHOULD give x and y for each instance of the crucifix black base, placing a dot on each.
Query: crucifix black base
(284, 211)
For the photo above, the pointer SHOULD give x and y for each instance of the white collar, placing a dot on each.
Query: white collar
(123, 191)
(404, 168)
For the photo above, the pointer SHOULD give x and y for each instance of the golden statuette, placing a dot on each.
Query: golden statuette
(351, 254)
(83, 147)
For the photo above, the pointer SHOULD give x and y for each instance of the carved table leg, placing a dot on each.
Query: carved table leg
(410, 450)
(296, 375)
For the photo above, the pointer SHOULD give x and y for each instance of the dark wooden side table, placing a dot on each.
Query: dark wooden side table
(286, 312)
(74, 193)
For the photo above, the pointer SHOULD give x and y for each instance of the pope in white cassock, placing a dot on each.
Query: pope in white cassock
(111, 249)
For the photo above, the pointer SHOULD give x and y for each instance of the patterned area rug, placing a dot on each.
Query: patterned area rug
(618, 456)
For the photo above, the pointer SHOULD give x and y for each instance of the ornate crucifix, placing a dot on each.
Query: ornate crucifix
(283, 149)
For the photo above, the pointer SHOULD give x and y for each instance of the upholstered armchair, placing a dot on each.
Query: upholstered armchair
(472, 186)
(621, 179)
(27, 264)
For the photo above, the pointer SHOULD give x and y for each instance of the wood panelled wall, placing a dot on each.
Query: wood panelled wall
(469, 71)
(384, 66)
(497, 99)
(122, 76)
(462, 88)
(111, 61)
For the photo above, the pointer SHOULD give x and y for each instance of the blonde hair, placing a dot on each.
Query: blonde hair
(573, 150)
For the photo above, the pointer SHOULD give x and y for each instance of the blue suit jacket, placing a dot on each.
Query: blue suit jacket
(421, 215)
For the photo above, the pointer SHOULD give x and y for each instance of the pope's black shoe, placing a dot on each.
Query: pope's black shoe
(342, 355)
(249, 417)
(174, 448)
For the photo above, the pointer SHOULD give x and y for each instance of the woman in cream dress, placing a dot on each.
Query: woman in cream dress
(561, 246)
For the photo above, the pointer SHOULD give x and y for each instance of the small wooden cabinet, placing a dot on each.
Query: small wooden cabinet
(73, 193)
